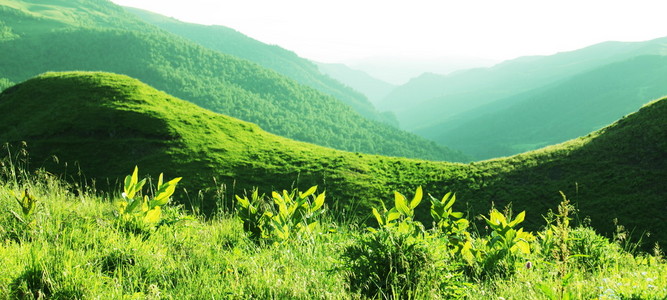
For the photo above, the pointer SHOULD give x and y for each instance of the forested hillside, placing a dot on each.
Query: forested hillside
(230, 41)
(211, 79)
(557, 112)
(105, 124)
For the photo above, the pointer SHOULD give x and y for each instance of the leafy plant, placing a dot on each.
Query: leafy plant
(400, 218)
(449, 224)
(140, 210)
(386, 264)
(292, 214)
(559, 236)
(27, 202)
(393, 260)
(502, 250)
(254, 218)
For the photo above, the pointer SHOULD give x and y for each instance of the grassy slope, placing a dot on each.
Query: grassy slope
(77, 249)
(109, 123)
(213, 80)
(555, 113)
(232, 42)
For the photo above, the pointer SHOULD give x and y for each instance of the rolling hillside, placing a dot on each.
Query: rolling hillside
(213, 80)
(287, 63)
(557, 112)
(108, 123)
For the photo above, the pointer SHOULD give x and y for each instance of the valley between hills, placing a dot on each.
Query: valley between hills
(90, 90)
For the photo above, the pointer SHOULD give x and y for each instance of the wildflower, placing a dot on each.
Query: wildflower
(529, 265)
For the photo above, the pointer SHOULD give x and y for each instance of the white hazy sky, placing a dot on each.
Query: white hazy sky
(343, 30)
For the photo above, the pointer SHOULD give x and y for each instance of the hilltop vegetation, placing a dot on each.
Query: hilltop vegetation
(5, 83)
(109, 123)
(210, 79)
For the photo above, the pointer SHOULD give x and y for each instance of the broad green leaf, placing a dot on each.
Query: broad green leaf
(457, 215)
(128, 185)
(451, 200)
(401, 204)
(378, 217)
(165, 192)
(131, 183)
(159, 180)
(404, 227)
(519, 218)
(523, 247)
(144, 204)
(276, 195)
(319, 201)
(308, 192)
(132, 206)
(417, 198)
(153, 215)
(498, 218)
(392, 215)
(174, 181)
(243, 202)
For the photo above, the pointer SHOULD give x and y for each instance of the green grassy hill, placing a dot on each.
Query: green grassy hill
(285, 62)
(555, 113)
(108, 123)
(208, 78)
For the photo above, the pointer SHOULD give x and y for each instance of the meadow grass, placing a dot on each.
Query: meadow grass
(73, 246)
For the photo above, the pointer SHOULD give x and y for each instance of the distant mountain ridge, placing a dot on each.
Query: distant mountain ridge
(211, 79)
(434, 97)
(557, 112)
(375, 89)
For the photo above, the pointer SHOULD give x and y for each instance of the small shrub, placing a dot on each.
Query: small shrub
(503, 251)
(589, 250)
(400, 218)
(386, 264)
(291, 214)
(142, 214)
(32, 283)
(116, 260)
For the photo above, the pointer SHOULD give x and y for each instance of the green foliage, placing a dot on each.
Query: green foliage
(401, 217)
(4, 84)
(27, 203)
(449, 224)
(144, 213)
(78, 252)
(291, 216)
(386, 264)
(503, 251)
(589, 250)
